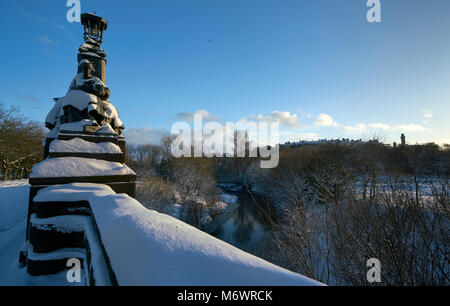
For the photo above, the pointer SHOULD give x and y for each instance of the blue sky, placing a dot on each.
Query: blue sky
(317, 66)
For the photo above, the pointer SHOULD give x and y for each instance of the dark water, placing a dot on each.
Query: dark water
(249, 226)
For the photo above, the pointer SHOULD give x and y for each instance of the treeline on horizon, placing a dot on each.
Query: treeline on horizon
(21, 147)
(427, 159)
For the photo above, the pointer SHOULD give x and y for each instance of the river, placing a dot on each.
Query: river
(248, 226)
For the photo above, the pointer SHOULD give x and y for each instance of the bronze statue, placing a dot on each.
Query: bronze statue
(88, 82)
(87, 98)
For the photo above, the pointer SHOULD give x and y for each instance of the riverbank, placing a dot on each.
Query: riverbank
(222, 218)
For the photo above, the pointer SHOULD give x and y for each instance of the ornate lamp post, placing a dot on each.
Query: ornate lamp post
(94, 27)
(78, 122)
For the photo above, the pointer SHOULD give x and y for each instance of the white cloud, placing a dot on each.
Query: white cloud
(379, 126)
(46, 40)
(411, 128)
(285, 119)
(304, 114)
(206, 116)
(286, 136)
(427, 114)
(144, 135)
(443, 140)
(405, 128)
(325, 120)
(357, 129)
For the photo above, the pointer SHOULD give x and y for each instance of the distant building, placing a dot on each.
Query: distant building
(403, 138)
(343, 141)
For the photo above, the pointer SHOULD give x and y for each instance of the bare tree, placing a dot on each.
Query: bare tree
(20, 143)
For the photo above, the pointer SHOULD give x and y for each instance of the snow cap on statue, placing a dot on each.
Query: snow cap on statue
(86, 62)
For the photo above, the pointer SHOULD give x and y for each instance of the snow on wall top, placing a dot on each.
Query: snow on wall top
(72, 192)
(77, 167)
(148, 248)
(62, 224)
(78, 145)
(78, 126)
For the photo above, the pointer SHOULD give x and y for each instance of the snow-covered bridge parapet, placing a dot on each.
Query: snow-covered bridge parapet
(62, 227)
(149, 248)
(143, 247)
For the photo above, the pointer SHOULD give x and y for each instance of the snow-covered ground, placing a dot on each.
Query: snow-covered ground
(13, 215)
